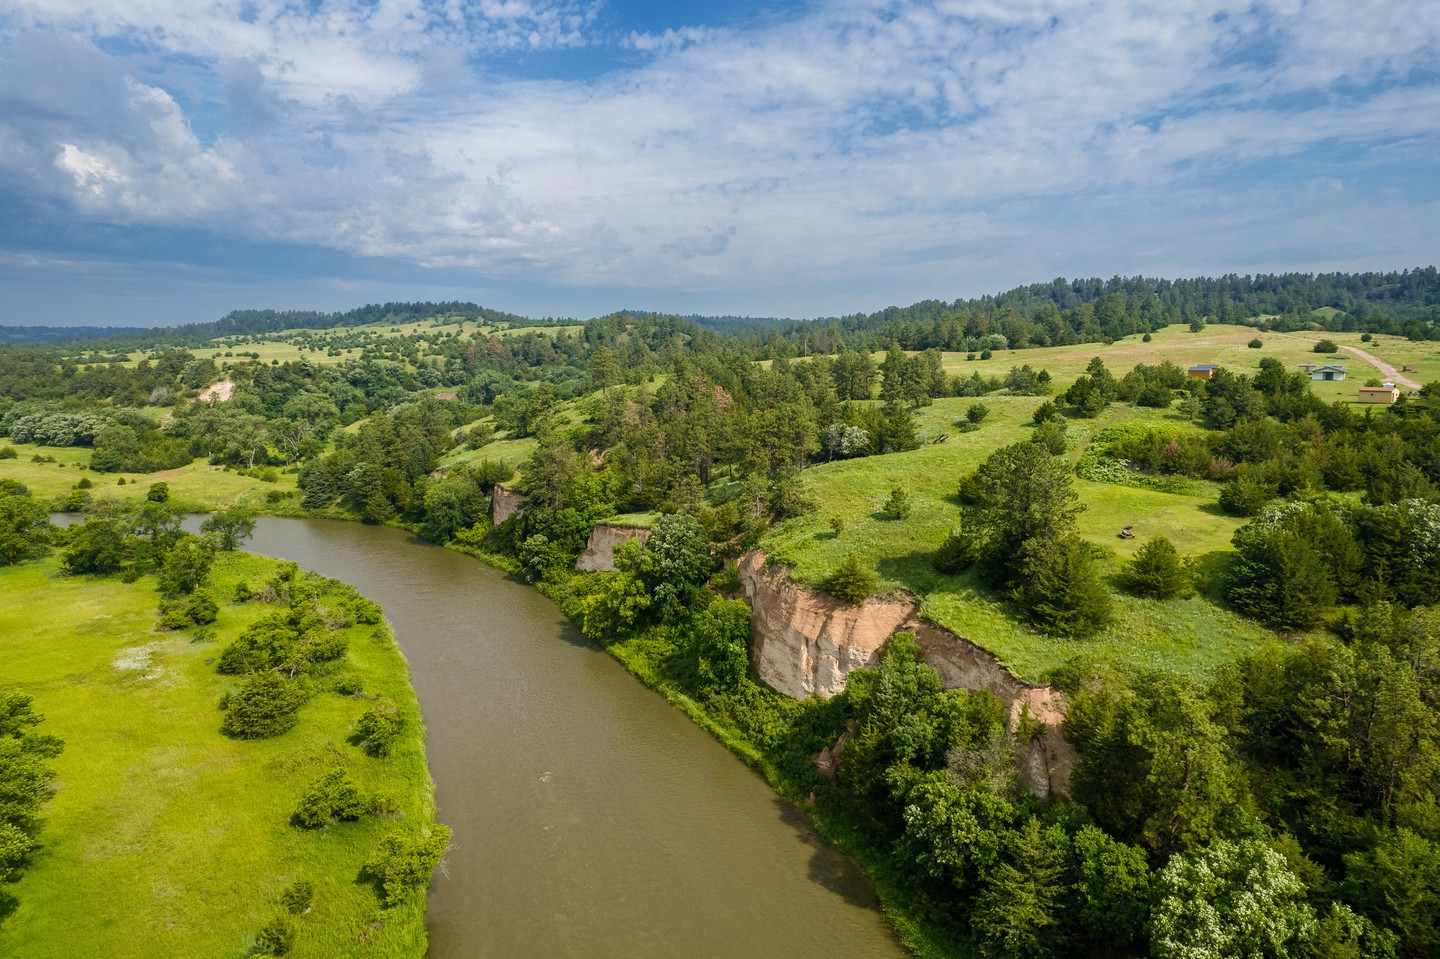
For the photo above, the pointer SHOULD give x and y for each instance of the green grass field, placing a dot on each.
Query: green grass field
(199, 486)
(1191, 636)
(165, 837)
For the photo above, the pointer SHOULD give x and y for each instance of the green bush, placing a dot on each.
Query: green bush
(1255, 344)
(334, 796)
(297, 897)
(379, 727)
(898, 505)
(1327, 346)
(277, 937)
(851, 581)
(402, 866)
(265, 706)
(976, 413)
(1245, 495)
(957, 554)
(1159, 572)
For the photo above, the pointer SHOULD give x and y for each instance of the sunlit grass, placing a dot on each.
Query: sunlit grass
(167, 838)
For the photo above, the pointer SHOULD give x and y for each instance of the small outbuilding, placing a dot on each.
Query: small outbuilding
(1330, 371)
(1388, 393)
(1308, 368)
(1203, 371)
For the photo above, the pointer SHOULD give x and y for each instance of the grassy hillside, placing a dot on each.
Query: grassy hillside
(166, 838)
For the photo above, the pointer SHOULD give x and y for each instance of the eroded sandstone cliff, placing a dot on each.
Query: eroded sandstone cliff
(599, 555)
(804, 643)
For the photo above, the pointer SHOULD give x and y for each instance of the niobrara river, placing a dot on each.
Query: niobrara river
(591, 819)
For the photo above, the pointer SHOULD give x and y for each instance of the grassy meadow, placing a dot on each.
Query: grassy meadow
(166, 838)
(198, 487)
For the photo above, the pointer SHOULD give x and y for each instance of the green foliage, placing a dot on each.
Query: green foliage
(186, 566)
(1155, 765)
(265, 705)
(293, 641)
(957, 554)
(1061, 588)
(24, 782)
(1050, 436)
(158, 493)
(1256, 343)
(25, 530)
(379, 728)
(1230, 899)
(1159, 572)
(297, 896)
(229, 527)
(1292, 563)
(1024, 506)
(976, 413)
(1397, 882)
(402, 865)
(276, 937)
(722, 644)
(1018, 914)
(1326, 346)
(674, 565)
(334, 796)
(898, 505)
(1246, 494)
(851, 581)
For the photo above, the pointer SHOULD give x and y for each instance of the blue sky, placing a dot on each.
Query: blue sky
(166, 161)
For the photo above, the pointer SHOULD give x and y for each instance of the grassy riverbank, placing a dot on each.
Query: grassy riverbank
(165, 837)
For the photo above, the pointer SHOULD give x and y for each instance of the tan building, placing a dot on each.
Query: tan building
(1203, 371)
(1388, 393)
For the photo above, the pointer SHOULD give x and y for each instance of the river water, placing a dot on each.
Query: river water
(591, 819)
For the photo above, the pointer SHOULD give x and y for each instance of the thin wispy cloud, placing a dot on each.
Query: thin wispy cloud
(821, 158)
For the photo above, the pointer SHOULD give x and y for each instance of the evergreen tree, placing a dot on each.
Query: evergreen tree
(1159, 572)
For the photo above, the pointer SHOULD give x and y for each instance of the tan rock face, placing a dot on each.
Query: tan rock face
(504, 503)
(805, 643)
(599, 555)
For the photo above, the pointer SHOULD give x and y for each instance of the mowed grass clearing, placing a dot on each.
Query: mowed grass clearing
(165, 837)
(1191, 636)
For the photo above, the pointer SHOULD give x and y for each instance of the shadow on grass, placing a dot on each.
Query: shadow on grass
(1210, 575)
(8, 905)
(913, 570)
(1214, 509)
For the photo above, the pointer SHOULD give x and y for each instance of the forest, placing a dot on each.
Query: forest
(1282, 801)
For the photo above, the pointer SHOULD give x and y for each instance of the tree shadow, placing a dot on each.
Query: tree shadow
(1214, 509)
(914, 569)
(1210, 575)
(829, 867)
(8, 905)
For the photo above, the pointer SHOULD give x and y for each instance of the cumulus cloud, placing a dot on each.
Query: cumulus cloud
(863, 144)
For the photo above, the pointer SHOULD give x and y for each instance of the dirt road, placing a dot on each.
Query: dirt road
(1386, 370)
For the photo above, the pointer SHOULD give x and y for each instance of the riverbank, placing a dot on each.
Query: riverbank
(167, 838)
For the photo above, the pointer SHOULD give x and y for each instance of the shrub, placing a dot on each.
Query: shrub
(402, 866)
(977, 412)
(957, 554)
(851, 581)
(1159, 572)
(7, 453)
(1046, 412)
(1364, 338)
(276, 937)
(158, 493)
(898, 505)
(1327, 346)
(1146, 338)
(84, 483)
(985, 354)
(1051, 435)
(379, 727)
(297, 897)
(264, 706)
(1245, 495)
(1255, 344)
(837, 525)
(349, 685)
(334, 796)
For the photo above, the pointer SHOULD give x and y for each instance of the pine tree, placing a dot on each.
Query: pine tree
(1159, 572)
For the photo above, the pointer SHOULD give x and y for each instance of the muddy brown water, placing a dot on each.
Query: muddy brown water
(591, 819)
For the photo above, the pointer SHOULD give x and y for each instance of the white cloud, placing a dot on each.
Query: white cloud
(878, 142)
